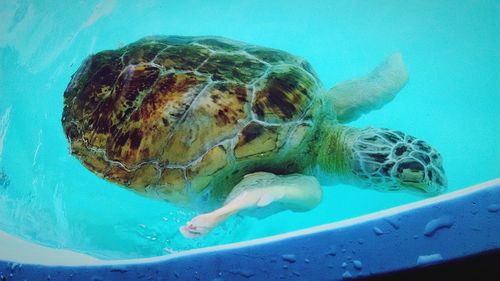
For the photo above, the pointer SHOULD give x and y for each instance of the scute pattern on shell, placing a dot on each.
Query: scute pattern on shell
(168, 111)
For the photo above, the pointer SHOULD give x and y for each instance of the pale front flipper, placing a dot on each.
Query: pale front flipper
(294, 192)
(355, 97)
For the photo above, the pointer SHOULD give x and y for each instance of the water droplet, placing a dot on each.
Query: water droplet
(121, 269)
(289, 258)
(15, 265)
(344, 265)
(306, 260)
(494, 208)
(347, 275)
(296, 273)
(434, 225)
(332, 251)
(378, 231)
(244, 272)
(285, 266)
(394, 222)
(429, 259)
(475, 209)
(357, 264)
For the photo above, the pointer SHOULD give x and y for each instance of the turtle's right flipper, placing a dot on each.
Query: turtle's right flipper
(260, 191)
(355, 97)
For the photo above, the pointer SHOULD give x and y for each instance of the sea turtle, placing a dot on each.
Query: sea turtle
(194, 120)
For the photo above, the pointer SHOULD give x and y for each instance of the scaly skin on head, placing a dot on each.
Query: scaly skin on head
(382, 158)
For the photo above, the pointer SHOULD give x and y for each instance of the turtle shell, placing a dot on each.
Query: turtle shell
(167, 112)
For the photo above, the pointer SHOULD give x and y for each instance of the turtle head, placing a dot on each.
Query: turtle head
(394, 160)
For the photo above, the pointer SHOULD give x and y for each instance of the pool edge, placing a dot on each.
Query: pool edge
(353, 247)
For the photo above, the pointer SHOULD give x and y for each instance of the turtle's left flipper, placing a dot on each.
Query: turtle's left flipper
(355, 97)
(294, 192)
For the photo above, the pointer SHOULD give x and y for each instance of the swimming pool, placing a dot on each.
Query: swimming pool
(48, 197)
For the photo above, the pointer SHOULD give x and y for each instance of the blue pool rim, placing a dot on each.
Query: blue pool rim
(420, 235)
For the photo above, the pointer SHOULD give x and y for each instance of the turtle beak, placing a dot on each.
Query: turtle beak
(433, 183)
(413, 178)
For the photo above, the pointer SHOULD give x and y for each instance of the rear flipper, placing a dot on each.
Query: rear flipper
(270, 192)
(355, 97)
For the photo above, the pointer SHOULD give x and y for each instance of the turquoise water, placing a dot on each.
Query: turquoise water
(452, 101)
